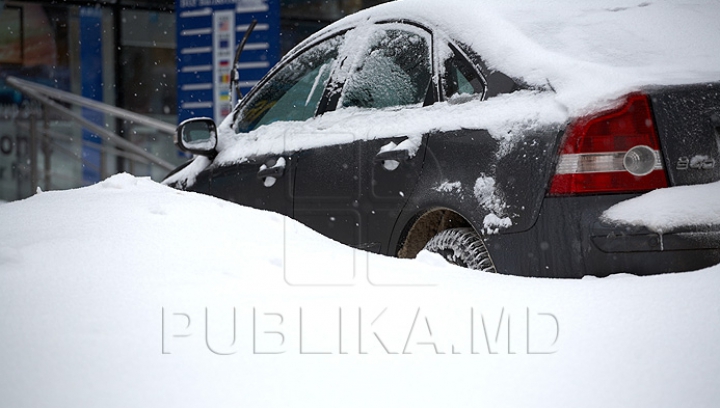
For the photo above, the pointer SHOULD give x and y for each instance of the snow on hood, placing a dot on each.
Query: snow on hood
(129, 293)
(670, 208)
(590, 52)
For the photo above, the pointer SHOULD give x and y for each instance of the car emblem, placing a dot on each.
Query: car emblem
(696, 163)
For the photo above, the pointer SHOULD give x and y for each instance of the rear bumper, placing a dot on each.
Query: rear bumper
(619, 239)
(568, 241)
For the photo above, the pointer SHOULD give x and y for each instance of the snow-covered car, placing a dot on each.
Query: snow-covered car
(501, 136)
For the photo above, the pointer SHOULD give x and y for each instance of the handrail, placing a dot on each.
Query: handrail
(55, 136)
(63, 96)
(42, 94)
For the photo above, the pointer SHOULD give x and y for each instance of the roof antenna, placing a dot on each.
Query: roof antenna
(235, 73)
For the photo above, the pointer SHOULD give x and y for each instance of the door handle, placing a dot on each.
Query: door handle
(271, 172)
(276, 171)
(397, 155)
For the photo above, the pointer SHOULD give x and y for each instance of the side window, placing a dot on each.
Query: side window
(462, 78)
(294, 92)
(396, 70)
(463, 84)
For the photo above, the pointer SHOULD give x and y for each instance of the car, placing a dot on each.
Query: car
(498, 136)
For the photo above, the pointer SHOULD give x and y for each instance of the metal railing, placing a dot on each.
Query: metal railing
(42, 137)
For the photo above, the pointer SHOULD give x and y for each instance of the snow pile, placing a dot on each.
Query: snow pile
(129, 293)
(188, 175)
(491, 200)
(667, 209)
(448, 187)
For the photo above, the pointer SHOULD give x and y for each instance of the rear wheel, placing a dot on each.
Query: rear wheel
(462, 247)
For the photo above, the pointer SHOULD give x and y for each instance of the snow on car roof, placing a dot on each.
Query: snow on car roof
(589, 52)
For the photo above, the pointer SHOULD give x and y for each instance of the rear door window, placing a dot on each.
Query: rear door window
(394, 70)
(461, 77)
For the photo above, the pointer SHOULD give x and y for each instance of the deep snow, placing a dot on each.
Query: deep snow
(115, 295)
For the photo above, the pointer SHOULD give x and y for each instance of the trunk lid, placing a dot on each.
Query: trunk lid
(688, 125)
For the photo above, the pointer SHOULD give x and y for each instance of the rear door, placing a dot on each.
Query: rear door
(354, 192)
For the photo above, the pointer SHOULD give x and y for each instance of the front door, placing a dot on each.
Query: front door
(354, 192)
(261, 182)
(256, 169)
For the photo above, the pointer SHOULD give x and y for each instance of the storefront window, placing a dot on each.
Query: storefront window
(34, 47)
(148, 63)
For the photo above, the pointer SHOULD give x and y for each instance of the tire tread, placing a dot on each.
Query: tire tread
(462, 247)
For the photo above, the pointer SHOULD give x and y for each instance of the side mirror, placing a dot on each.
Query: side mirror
(197, 136)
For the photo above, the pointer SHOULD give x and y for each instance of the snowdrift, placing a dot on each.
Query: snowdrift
(129, 293)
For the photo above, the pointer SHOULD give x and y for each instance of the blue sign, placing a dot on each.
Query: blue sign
(91, 62)
(208, 31)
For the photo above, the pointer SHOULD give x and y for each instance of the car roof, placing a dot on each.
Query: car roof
(589, 52)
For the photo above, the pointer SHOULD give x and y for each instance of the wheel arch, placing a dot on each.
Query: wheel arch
(424, 225)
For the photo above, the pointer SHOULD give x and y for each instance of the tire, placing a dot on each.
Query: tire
(462, 247)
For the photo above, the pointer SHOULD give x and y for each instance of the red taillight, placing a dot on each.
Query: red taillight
(612, 152)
